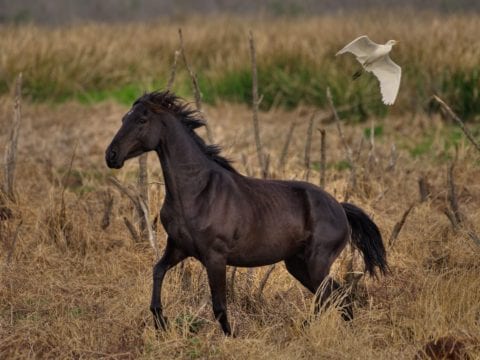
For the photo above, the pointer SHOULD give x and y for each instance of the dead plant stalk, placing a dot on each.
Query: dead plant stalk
(255, 103)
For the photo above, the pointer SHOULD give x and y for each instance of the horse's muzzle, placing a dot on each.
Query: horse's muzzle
(112, 158)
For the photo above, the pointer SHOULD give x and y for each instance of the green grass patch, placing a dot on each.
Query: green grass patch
(283, 81)
(377, 131)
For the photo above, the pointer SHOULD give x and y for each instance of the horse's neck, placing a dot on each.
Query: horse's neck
(185, 167)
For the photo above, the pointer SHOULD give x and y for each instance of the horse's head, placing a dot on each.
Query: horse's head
(139, 133)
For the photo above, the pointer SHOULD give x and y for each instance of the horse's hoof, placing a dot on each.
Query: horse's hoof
(159, 321)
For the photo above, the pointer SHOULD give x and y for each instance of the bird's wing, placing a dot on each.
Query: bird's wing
(360, 47)
(388, 74)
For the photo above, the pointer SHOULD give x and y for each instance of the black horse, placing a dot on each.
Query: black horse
(220, 217)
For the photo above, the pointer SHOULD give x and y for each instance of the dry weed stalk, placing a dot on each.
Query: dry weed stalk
(196, 87)
(372, 157)
(264, 281)
(152, 238)
(142, 184)
(283, 154)
(107, 209)
(131, 229)
(452, 195)
(423, 188)
(125, 190)
(308, 147)
(141, 208)
(323, 157)
(448, 111)
(393, 158)
(348, 151)
(173, 70)
(11, 149)
(231, 286)
(399, 225)
(255, 103)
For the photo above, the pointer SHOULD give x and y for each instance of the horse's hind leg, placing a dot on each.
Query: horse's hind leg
(329, 287)
(171, 257)
(297, 267)
(322, 254)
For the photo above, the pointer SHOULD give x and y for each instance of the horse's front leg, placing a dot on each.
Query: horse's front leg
(171, 257)
(216, 270)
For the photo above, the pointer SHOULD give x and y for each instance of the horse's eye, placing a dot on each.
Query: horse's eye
(142, 119)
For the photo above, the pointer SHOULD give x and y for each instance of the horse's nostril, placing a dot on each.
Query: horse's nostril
(112, 155)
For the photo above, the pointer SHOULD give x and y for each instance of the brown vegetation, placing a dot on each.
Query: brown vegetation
(75, 264)
(75, 287)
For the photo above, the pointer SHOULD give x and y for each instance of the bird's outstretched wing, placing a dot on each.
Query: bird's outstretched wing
(388, 74)
(360, 47)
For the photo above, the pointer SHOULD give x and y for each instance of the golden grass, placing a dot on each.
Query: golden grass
(74, 290)
(439, 54)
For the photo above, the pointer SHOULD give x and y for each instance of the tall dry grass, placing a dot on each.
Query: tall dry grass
(75, 290)
(439, 54)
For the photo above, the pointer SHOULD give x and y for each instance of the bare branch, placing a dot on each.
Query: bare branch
(107, 210)
(173, 70)
(348, 150)
(264, 280)
(131, 194)
(452, 195)
(284, 152)
(423, 188)
(472, 235)
(131, 229)
(308, 146)
(196, 87)
(459, 121)
(393, 158)
(152, 238)
(255, 102)
(143, 192)
(399, 225)
(232, 283)
(372, 157)
(142, 209)
(452, 218)
(323, 156)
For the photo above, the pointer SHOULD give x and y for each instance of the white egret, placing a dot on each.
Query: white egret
(374, 58)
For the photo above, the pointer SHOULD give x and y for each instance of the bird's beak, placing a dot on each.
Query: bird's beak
(396, 42)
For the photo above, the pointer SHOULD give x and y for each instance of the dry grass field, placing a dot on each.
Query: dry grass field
(72, 289)
(296, 59)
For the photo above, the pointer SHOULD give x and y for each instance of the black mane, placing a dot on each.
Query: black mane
(191, 118)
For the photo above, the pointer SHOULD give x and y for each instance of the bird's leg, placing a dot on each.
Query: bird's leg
(357, 74)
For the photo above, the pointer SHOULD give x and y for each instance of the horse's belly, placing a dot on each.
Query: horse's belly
(265, 252)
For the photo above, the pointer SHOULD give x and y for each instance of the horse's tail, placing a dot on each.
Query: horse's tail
(367, 238)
